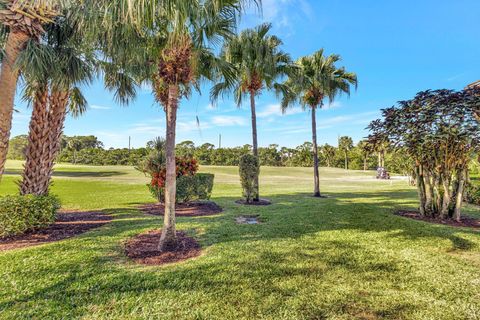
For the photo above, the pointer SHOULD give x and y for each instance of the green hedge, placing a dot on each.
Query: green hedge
(197, 187)
(249, 169)
(19, 214)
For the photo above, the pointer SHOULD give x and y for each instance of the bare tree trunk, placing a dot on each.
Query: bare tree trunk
(316, 176)
(428, 193)
(461, 178)
(365, 163)
(168, 239)
(420, 189)
(346, 160)
(255, 142)
(8, 85)
(446, 196)
(36, 162)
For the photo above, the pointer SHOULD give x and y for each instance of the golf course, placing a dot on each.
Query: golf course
(346, 256)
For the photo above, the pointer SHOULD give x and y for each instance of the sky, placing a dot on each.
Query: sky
(397, 48)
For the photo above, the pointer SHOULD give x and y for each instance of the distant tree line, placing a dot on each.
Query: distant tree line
(88, 150)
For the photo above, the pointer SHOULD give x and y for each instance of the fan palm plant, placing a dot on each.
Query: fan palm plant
(55, 69)
(173, 53)
(315, 79)
(258, 63)
(21, 21)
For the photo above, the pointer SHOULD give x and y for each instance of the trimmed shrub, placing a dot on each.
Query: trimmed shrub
(184, 167)
(197, 187)
(19, 214)
(249, 169)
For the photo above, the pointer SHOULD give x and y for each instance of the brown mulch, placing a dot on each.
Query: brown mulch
(260, 202)
(67, 225)
(189, 209)
(467, 222)
(143, 249)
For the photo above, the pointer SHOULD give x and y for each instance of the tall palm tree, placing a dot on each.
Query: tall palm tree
(174, 53)
(21, 22)
(345, 144)
(258, 63)
(56, 69)
(315, 79)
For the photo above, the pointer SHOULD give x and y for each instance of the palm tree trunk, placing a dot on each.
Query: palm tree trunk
(8, 85)
(35, 164)
(255, 143)
(168, 239)
(316, 176)
(56, 120)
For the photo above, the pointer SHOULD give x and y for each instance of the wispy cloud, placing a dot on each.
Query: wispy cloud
(224, 121)
(97, 107)
(273, 110)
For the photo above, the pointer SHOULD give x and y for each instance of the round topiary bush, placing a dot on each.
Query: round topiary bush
(19, 214)
(249, 169)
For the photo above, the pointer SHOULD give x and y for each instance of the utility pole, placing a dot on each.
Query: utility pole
(129, 143)
(219, 141)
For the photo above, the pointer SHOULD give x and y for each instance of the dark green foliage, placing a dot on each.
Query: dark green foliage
(19, 214)
(197, 187)
(16, 147)
(249, 169)
(473, 194)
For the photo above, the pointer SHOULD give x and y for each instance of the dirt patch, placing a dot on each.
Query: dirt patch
(143, 249)
(260, 202)
(467, 222)
(67, 225)
(248, 219)
(189, 209)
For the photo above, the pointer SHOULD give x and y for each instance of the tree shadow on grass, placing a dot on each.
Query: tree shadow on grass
(74, 174)
(261, 266)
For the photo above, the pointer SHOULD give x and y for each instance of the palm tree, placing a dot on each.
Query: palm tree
(315, 79)
(257, 64)
(345, 144)
(63, 62)
(328, 152)
(173, 53)
(21, 22)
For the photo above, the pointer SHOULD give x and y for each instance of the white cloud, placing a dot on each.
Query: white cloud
(97, 107)
(225, 121)
(276, 110)
(333, 105)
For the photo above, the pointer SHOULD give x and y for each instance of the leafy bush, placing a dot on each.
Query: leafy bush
(473, 194)
(185, 167)
(19, 214)
(249, 170)
(196, 187)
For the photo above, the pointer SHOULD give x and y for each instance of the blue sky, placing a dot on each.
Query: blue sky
(397, 48)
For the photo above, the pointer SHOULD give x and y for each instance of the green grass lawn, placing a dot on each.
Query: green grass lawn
(344, 257)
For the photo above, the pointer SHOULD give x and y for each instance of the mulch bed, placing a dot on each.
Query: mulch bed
(67, 225)
(189, 209)
(467, 222)
(143, 249)
(260, 202)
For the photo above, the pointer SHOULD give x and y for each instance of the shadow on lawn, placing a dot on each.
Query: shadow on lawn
(291, 216)
(74, 174)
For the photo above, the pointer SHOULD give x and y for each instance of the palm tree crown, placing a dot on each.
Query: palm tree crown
(317, 78)
(257, 61)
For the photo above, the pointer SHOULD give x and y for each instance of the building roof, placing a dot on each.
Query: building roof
(475, 84)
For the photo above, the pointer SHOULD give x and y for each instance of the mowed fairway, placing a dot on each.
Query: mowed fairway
(343, 257)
